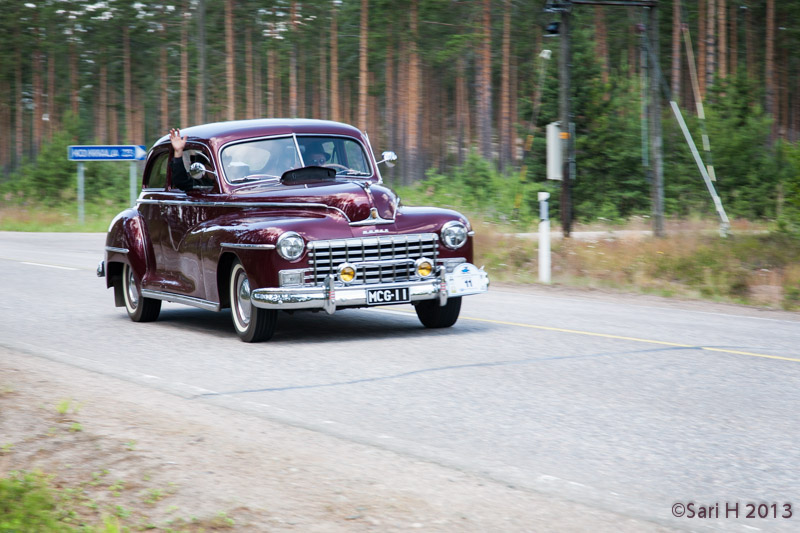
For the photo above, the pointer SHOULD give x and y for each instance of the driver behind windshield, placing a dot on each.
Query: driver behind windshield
(315, 155)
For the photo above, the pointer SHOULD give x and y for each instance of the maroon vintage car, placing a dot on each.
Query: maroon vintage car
(283, 215)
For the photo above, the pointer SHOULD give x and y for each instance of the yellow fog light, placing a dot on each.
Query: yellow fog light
(347, 273)
(424, 267)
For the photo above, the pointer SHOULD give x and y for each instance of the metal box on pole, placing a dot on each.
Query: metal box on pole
(555, 157)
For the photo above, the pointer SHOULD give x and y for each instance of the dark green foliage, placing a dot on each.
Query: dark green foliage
(478, 187)
(51, 179)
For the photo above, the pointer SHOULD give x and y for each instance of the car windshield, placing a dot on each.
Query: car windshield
(265, 159)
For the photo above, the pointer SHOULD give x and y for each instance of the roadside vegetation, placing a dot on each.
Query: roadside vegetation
(79, 498)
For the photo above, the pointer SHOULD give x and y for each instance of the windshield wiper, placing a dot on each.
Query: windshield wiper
(353, 172)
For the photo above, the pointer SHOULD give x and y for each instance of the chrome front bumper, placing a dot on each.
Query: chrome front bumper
(332, 295)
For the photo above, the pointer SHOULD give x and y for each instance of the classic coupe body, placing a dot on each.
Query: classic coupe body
(283, 215)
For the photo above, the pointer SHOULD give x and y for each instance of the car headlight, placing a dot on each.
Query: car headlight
(454, 234)
(290, 245)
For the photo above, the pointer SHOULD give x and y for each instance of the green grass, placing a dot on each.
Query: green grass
(27, 503)
(750, 268)
(61, 219)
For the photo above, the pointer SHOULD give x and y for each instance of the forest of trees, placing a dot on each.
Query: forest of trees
(455, 87)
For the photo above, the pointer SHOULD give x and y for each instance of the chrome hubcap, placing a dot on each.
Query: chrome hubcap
(133, 291)
(243, 299)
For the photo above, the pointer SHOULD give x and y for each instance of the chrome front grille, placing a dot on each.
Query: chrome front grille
(384, 259)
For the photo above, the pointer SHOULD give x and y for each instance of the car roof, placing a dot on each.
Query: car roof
(216, 134)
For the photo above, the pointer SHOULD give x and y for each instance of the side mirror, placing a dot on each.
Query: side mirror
(197, 169)
(389, 158)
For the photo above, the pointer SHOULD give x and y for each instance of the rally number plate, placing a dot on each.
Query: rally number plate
(388, 296)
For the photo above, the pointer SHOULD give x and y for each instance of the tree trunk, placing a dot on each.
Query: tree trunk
(390, 127)
(5, 125)
(20, 132)
(749, 44)
(602, 43)
(363, 70)
(258, 85)
(783, 94)
(200, 96)
(701, 46)
(484, 84)
(230, 74)
(462, 109)
(372, 113)
(722, 29)
(733, 57)
(293, 63)
(676, 51)
(101, 133)
(249, 90)
(126, 69)
(711, 43)
(413, 115)
(113, 123)
(51, 125)
(324, 111)
(335, 113)
(163, 69)
(505, 90)
(346, 102)
(138, 117)
(36, 113)
(770, 67)
(73, 78)
(272, 66)
(185, 66)
(301, 81)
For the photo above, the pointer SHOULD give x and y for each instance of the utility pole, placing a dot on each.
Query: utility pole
(565, 113)
(656, 141)
(656, 158)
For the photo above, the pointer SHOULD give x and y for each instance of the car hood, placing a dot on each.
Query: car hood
(359, 201)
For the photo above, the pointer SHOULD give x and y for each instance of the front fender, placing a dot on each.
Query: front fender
(251, 240)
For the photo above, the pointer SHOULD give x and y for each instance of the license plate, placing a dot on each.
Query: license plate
(388, 296)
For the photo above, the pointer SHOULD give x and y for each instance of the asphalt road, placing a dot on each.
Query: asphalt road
(626, 404)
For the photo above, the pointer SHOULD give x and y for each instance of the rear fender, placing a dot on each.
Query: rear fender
(127, 242)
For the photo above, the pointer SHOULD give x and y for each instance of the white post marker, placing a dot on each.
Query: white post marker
(544, 238)
(133, 182)
(81, 216)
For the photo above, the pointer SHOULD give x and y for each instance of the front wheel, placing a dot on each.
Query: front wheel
(251, 323)
(140, 309)
(433, 315)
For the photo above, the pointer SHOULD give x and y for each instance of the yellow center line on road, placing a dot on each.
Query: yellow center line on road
(624, 338)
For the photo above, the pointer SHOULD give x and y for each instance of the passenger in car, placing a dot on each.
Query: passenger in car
(180, 178)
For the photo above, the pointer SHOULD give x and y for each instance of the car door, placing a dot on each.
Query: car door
(182, 246)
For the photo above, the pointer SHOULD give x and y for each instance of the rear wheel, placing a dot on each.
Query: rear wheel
(433, 315)
(251, 323)
(140, 309)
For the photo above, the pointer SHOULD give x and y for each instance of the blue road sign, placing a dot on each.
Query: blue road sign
(106, 153)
